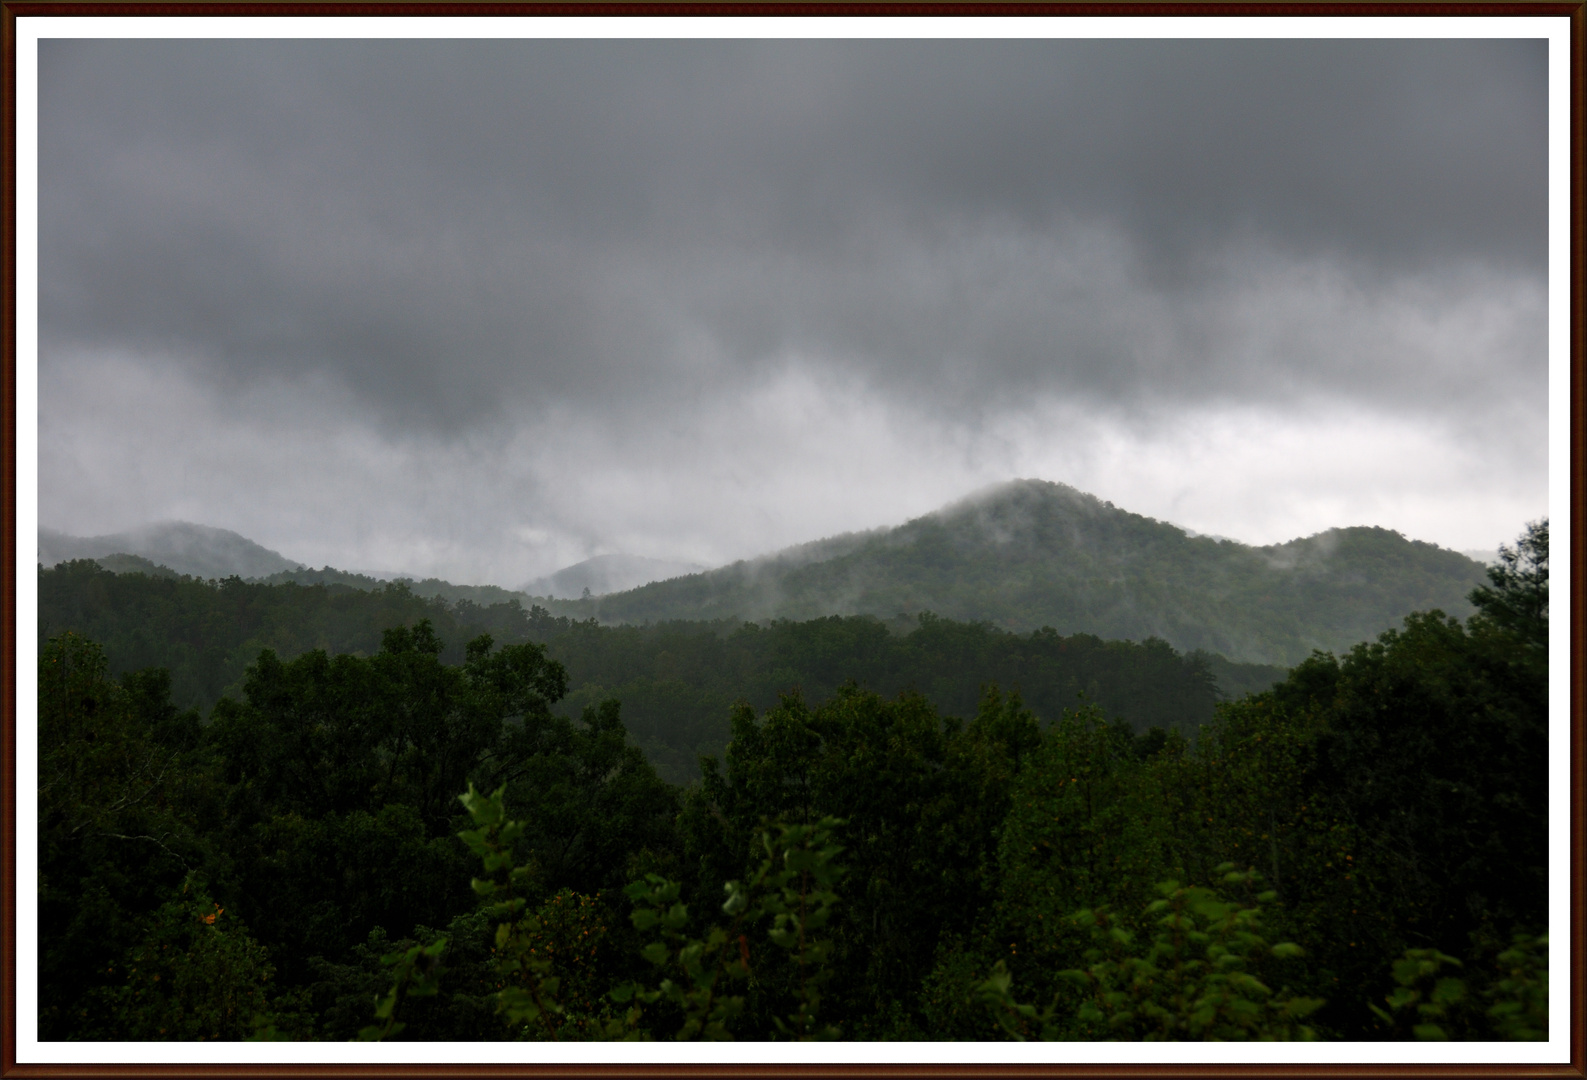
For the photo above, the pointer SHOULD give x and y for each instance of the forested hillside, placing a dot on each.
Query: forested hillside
(205, 633)
(1020, 556)
(1030, 554)
(199, 550)
(678, 681)
(398, 845)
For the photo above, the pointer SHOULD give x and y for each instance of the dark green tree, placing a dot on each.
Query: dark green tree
(923, 799)
(1516, 598)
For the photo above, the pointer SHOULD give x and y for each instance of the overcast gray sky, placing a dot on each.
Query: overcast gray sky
(483, 309)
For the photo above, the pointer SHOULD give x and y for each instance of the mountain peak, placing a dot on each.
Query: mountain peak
(1031, 553)
(1024, 491)
(200, 550)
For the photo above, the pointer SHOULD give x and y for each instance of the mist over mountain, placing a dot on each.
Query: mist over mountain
(1019, 555)
(199, 550)
(1030, 553)
(608, 574)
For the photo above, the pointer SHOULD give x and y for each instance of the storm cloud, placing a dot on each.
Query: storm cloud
(483, 308)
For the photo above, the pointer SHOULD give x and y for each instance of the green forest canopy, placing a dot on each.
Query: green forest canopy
(678, 681)
(248, 875)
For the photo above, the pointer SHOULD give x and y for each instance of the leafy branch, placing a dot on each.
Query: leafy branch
(1196, 978)
(793, 887)
(528, 986)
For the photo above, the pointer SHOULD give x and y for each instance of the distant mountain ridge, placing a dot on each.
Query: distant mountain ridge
(201, 551)
(1020, 556)
(608, 574)
(428, 588)
(1032, 553)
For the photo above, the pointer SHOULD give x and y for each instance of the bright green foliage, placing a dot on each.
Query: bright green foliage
(527, 947)
(1432, 1000)
(1436, 1006)
(704, 966)
(793, 889)
(792, 892)
(339, 993)
(416, 972)
(798, 896)
(1200, 975)
(1519, 997)
(528, 985)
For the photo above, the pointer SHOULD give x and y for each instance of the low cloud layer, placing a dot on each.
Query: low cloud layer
(482, 309)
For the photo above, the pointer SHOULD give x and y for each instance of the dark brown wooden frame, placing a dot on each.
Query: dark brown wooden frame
(10, 10)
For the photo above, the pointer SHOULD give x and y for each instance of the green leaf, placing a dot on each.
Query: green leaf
(1448, 991)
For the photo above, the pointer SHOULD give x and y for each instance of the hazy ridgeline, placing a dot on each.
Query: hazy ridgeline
(677, 681)
(1018, 556)
(1032, 586)
(1030, 554)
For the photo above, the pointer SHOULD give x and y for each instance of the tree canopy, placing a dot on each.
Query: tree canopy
(1357, 852)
